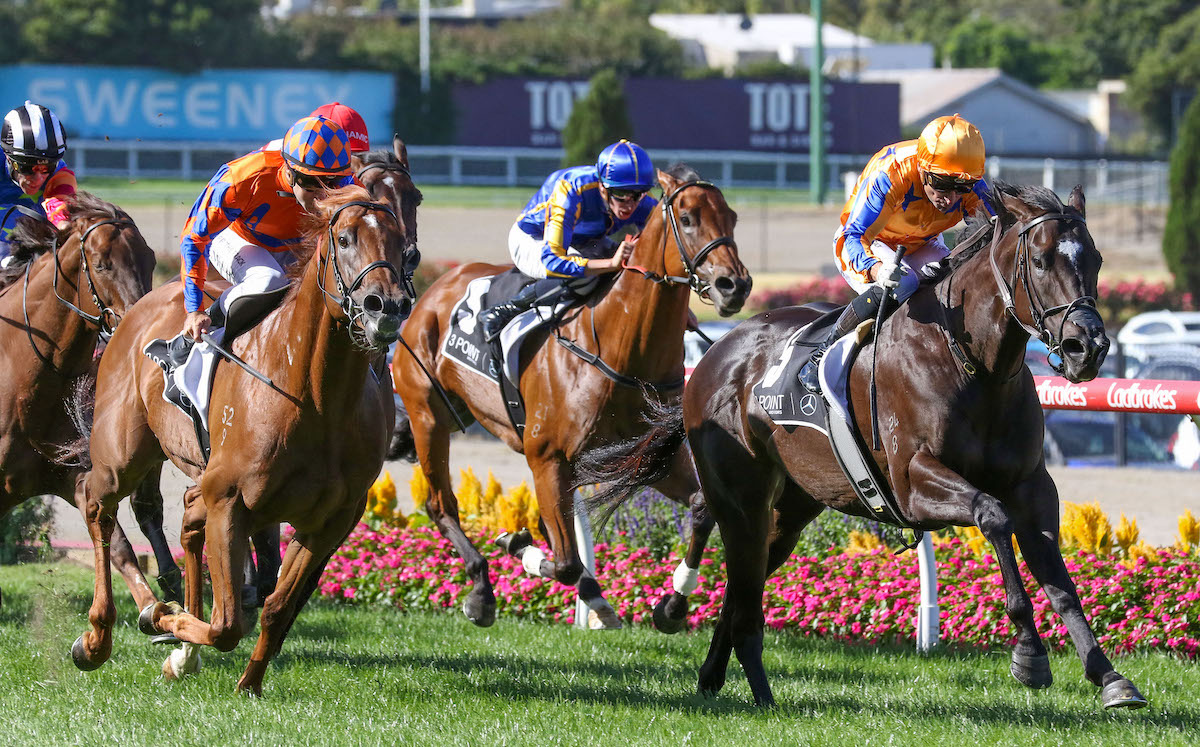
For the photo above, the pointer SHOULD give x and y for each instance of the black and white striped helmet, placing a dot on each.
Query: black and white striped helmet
(32, 131)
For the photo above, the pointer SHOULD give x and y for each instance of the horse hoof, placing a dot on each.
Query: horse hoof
(168, 639)
(1122, 694)
(79, 656)
(1032, 671)
(178, 665)
(483, 614)
(146, 620)
(664, 621)
(603, 619)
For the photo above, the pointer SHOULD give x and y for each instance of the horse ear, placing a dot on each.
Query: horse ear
(1077, 201)
(667, 182)
(1010, 208)
(400, 150)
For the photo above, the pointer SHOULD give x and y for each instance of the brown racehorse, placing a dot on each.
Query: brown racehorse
(79, 281)
(386, 176)
(302, 451)
(636, 327)
(960, 422)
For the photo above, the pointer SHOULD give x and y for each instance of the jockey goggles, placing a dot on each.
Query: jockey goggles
(626, 195)
(313, 183)
(30, 166)
(944, 183)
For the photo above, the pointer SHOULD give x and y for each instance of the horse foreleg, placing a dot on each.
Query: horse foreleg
(147, 504)
(942, 495)
(267, 560)
(1037, 524)
(433, 451)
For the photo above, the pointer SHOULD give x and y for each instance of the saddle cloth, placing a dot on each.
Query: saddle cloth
(790, 405)
(187, 378)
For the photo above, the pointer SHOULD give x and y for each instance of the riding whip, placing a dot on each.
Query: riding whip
(879, 317)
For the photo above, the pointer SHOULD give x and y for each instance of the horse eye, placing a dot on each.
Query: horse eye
(685, 220)
(1038, 263)
(343, 241)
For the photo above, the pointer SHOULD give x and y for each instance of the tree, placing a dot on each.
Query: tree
(598, 119)
(983, 42)
(1172, 66)
(1181, 237)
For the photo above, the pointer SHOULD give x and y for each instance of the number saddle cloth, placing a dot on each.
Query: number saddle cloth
(791, 406)
(500, 361)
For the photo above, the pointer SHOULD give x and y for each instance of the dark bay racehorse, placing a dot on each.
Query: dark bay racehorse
(960, 422)
(387, 177)
(77, 282)
(304, 451)
(634, 325)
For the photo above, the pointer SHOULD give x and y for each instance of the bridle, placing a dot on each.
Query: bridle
(344, 300)
(106, 319)
(395, 168)
(1039, 312)
(693, 262)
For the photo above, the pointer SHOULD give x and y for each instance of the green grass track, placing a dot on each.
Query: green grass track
(352, 676)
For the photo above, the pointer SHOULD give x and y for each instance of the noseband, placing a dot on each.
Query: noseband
(1038, 310)
(351, 308)
(692, 263)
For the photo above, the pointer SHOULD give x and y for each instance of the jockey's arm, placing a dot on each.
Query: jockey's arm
(872, 209)
(59, 189)
(211, 214)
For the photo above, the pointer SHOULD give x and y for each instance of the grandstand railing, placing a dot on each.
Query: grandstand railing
(1127, 182)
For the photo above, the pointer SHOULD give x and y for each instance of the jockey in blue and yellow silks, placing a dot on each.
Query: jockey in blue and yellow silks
(562, 234)
(33, 176)
(908, 194)
(249, 215)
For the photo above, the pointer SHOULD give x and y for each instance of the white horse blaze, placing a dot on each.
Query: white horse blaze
(686, 579)
(1071, 249)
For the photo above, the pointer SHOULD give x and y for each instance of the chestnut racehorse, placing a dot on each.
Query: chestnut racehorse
(77, 282)
(302, 450)
(633, 324)
(961, 426)
(386, 176)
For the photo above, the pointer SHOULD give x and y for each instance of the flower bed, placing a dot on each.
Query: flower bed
(1147, 602)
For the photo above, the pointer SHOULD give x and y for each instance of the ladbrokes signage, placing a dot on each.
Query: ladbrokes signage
(718, 114)
(1120, 395)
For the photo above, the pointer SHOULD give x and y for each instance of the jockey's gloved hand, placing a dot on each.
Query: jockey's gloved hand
(889, 274)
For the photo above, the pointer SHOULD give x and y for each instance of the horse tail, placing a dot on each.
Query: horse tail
(81, 405)
(624, 467)
(402, 445)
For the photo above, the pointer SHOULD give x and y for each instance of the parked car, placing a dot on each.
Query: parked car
(695, 346)
(1157, 334)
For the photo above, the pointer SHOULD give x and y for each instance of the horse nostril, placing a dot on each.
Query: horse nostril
(373, 303)
(404, 307)
(1073, 346)
(725, 284)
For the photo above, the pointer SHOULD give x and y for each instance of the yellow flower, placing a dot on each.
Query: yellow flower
(419, 487)
(1085, 527)
(1189, 531)
(1127, 533)
(1141, 550)
(469, 494)
(861, 542)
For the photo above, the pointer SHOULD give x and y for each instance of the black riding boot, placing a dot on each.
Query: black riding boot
(494, 319)
(860, 309)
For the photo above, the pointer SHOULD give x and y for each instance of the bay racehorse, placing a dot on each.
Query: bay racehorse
(74, 284)
(634, 324)
(386, 176)
(303, 450)
(960, 421)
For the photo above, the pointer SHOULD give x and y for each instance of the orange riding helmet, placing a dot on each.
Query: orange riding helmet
(951, 146)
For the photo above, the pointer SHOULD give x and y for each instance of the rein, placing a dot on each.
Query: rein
(691, 279)
(351, 308)
(106, 313)
(1038, 310)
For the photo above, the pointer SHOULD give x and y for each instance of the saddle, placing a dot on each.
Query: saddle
(188, 367)
(791, 406)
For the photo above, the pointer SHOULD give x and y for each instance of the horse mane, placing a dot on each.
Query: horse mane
(1039, 198)
(33, 237)
(314, 227)
(383, 156)
(683, 172)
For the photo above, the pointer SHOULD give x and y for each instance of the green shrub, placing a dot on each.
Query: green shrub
(23, 528)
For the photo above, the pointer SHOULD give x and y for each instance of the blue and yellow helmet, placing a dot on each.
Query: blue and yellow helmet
(317, 146)
(624, 165)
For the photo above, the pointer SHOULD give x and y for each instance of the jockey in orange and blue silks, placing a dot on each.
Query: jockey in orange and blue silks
(34, 178)
(562, 234)
(908, 194)
(248, 217)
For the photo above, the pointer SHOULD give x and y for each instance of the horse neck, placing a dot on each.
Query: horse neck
(651, 317)
(323, 363)
(979, 320)
(60, 334)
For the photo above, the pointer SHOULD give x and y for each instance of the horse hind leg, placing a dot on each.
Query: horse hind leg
(94, 647)
(147, 504)
(670, 614)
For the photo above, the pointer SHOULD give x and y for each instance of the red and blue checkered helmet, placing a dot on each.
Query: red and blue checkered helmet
(317, 146)
(624, 165)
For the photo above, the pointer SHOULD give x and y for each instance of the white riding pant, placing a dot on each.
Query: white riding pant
(920, 261)
(251, 268)
(526, 251)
